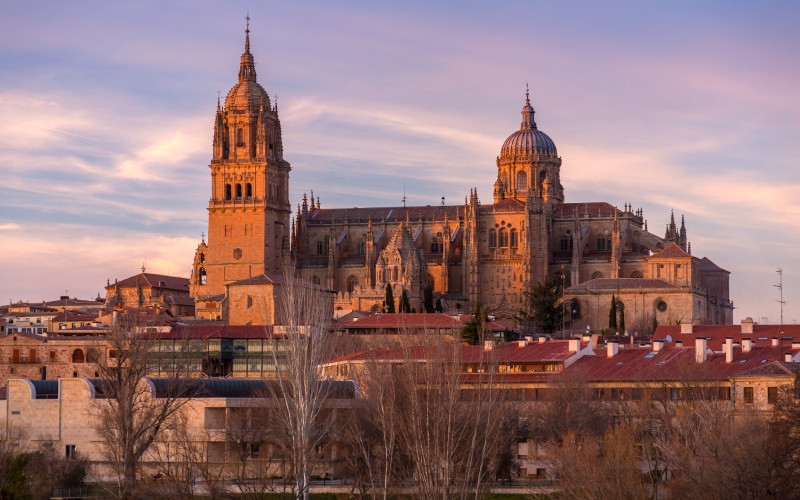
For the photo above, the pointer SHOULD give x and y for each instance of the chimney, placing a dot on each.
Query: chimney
(487, 345)
(658, 345)
(729, 350)
(795, 344)
(686, 326)
(529, 338)
(593, 341)
(747, 326)
(787, 358)
(574, 345)
(612, 348)
(776, 341)
(700, 345)
(586, 338)
(747, 344)
(679, 343)
(522, 343)
(542, 339)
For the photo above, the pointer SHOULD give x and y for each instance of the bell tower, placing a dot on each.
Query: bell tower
(249, 210)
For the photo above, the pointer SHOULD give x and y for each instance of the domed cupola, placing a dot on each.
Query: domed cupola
(528, 140)
(247, 95)
(528, 165)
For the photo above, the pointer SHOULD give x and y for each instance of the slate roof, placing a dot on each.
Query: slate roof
(594, 209)
(708, 265)
(387, 214)
(260, 279)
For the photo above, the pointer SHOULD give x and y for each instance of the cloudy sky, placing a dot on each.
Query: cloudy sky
(106, 114)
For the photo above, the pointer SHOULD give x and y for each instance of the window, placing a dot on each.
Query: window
(70, 451)
(748, 395)
(597, 275)
(514, 238)
(603, 243)
(202, 257)
(676, 394)
(248, 190)
(315, 280)
(772, 395)
(522, 181)
(566, 244)
(227, 191)
(203, 276)
(503, 238)
(661, 306)
(239, 137)
(492, 239)
(238, 191)
(52, 355)
(637, 274)
(319, 248)
(78, 357)
(352, 282)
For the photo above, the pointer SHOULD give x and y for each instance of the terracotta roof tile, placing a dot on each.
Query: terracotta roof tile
(762, 334)
(672, 250)
(152, 280)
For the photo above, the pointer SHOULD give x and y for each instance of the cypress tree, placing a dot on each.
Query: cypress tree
(405, 306)
(612, 314)
(439, 307)
(428, 300)
(621, 317)
(389, 299)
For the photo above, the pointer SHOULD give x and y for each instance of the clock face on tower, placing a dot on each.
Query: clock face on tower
(237, 253)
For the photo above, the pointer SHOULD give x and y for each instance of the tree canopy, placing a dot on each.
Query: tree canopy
(544, 305)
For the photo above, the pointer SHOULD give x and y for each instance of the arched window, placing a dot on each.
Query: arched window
(238, 191)
(566, 243)
(522, 181)
(319, 248)
(492, 238)
(503, 238)
(542, 178)
(435, 246)
(362, 247)
(514, 242)
(248, 190)
(203, 276)
(239, 137)
(637, 274)
(202, 257)
(603, 243)
(78, 357)
(575, 309)
(227, 191)
(597, 275)
(352, 281)
(394, 273)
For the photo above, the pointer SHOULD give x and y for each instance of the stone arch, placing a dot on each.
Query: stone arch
(597, 275)
(637, 274)
(78, 356)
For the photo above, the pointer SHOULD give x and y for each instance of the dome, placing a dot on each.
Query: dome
(528, 140)
(247, 95)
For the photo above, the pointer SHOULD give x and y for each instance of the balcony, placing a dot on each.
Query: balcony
(24, 359)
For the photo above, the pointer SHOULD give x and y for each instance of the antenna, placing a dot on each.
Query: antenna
(442, 200)
(779, 286)
(404, 195)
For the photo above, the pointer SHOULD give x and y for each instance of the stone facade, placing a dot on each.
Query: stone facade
(249, 210)
(470, 254)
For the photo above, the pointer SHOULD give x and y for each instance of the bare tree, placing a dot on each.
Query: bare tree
(305, 316)
(132, 411)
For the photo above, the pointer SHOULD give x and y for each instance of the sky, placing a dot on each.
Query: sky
(107, 108)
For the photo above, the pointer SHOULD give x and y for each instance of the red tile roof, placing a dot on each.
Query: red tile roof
(671, 364)
(261, 279)
(152, 280)
(672, 250)
(196, 332)
(421, 320)
(762, 334)
(506, 205)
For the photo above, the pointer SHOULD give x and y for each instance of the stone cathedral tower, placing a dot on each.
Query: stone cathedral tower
(249, 210)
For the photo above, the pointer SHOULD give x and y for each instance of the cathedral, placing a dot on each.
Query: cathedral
(477, 253)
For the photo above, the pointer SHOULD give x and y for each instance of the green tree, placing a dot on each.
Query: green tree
(544, 301)
(612, 313)
(621, 317)
(405, 306)
(428, 299)
(473, 331)
(389, 299)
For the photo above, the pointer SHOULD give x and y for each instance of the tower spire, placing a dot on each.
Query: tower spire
(247, 68)
(527, 111)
